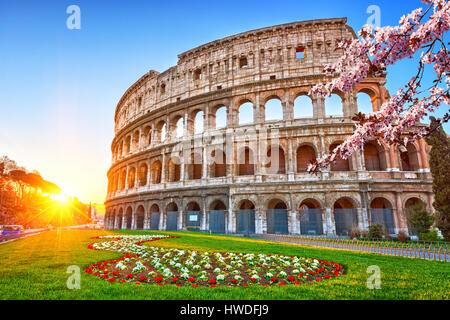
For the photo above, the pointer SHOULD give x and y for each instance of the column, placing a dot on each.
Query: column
(393, 158)
(401, 216)
(294, 226)
(180, 219)
(329, 222)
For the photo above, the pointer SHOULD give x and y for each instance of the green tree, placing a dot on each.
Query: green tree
(439, 166)
(419, 218)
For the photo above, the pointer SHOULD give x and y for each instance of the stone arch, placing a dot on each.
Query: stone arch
(303, 106)
(123, 179)
(334, 105)
(217, 204)
(219, 116)
(339, 164)
(131, 177)
(381, 212)
(143, 172)
(147, 135)
(375, 157)
(276, 216)
(136, 140)
(219, 163)
(408, 203)
(276, 160)
(311, 221)
(273, 109)
(177, 124)
(119, 218)
(127, 145)
(366, 101)
(129, 218)
(246, 162)
(410, 158)
(245, 216)
(345, 215)
(195, 166)
(245, 112)
(174, 169)
(156, 169)
(305, 154)
(155, 216)
(140, 217)
(193, 216)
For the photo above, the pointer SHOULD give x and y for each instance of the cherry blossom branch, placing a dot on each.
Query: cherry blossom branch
(396, 120)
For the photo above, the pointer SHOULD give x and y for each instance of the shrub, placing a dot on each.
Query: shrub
(354, 232)
(375, 231)
(429, 236)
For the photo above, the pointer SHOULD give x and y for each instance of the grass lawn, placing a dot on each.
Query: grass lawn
(35, 268)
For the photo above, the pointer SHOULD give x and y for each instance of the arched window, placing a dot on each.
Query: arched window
(221, 117)
(174, 168)
(195, 166)
(334, 106)
(381, 213)
(340, 164)
(123, 179)
(277, 161)
(180, 128)
(156, 172)
(219, 163)
(276, 215)
(127, 145)
(303, 107)
(143, 175)
(410, 158)
(373, 157)
(246, 162)
(305, 154)
(160, 132)
(364, 102)
(163, 132)
(131, 177)
(199, 122)
(246, 113)
(136, 140)
(345, 216)
(274, 110)
(148, 135)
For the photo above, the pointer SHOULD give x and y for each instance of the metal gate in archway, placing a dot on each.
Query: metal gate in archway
(277, 222)
(383, 217)
(311, 222)
(344, 220)
(193, 220)
(245, 221)
(172, 221)
(154, 220)
(217, 221)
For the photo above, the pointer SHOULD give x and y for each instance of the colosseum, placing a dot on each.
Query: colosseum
(221, 141)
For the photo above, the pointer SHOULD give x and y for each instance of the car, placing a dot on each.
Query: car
(12, 229)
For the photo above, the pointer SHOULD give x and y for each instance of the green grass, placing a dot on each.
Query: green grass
(35, 268)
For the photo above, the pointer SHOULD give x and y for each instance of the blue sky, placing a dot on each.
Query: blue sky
(59, 87)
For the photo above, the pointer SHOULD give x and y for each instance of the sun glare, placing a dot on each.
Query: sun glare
(61, 197)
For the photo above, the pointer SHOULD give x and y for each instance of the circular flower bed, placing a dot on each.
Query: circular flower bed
(166, 266)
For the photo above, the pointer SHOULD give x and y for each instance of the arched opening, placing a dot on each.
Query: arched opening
(120, 219)
(112, 221)
(174, 169)
(156, 172)
(194, 168)
(193, 217)
(345, 216)
(179, 127)
(381, 213)
(410, 158)
(199, 122)
(217, 217)
(373, 157)
(277, 161)
(136, 138)
(127, 145)
(276, 217)
(246, 162)
(123, 179)
(143, 171)
(155, 216)
(310, 217)
(334, 106)
(221, 117)
(303, 107)
(245, 217)
(245, 113)
(172, 217)
(219, 166)
(148, 135)
(339, 164)
(131, 177)
(140, 216)
(161, 132)
(410, 205)
(274, 110)
(129, 218)
(305, 155)
(365, 103)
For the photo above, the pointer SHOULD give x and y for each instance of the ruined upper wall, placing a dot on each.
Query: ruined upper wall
(242, 59)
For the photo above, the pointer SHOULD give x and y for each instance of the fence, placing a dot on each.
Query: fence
(438, 251)
(383, 217)
(345, 219)
(311, 222)
(217, 221)
(172, 221)
(245, 221)
(277, 222)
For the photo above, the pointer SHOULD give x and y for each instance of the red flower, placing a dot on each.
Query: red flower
(130, 276)
(160, 284)
(178, 285)
(194, 286)
(253, 280)
(274, 279)
(213, 286)
(192, 280)
(327, 276)
(296, 283)
(175, 279)
(138, 283)
(143, 278)
(212, 281)
(111, 279)
(105, 276)
(318, 279)
(312, 273)
(158, 279)
(234, 281)
(264, 285)
(291, 278)
(282, 284)
(300, 275)
(245, 285)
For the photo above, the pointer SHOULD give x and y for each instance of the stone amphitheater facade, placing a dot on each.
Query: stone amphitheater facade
(184, 157)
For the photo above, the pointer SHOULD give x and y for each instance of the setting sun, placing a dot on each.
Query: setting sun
(61, 197)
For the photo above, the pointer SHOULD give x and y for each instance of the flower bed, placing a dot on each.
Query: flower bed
(166, 266)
